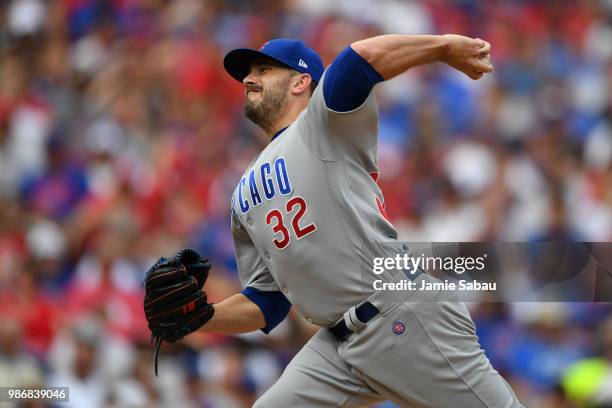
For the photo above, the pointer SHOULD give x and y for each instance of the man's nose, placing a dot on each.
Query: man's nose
(249, 79)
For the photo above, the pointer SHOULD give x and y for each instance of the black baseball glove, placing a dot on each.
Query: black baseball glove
(175, 303)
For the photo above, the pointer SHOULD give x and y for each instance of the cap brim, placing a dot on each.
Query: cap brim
(238, 62)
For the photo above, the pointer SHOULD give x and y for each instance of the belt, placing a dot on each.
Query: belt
(364, 312)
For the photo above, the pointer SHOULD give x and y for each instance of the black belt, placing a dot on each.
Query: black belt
(364, 312)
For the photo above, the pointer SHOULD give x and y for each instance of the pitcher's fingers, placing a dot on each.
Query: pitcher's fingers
(486, 48)
(483, 65)
(473, 74)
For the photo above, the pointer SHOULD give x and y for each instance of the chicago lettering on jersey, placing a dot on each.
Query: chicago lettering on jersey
(263, 182)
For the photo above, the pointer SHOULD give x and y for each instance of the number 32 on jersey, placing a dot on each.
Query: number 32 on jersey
(272, 179)
(281, 222)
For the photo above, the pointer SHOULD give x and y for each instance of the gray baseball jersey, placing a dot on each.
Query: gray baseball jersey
(307, 214)
(308, 219)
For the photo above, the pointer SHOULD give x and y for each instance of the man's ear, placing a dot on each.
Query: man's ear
(301, 84)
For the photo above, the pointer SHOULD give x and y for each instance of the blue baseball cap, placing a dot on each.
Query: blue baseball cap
(294, 54)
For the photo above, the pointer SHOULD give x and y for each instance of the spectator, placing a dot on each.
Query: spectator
(17, 367)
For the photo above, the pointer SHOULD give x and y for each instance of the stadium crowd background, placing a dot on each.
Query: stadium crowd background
(122, 138)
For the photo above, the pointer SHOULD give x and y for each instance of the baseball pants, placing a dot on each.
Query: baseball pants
(435, 361)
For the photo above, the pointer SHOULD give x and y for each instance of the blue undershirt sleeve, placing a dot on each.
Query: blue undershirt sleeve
(273, 304)
(348, 81)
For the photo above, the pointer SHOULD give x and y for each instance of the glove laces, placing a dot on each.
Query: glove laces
(158, 341)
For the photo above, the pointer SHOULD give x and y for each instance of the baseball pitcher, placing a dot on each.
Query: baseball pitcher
(308, 218)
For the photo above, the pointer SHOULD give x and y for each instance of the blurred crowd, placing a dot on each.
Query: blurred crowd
(122, 138)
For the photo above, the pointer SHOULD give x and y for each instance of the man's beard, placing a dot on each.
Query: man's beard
(265, 111)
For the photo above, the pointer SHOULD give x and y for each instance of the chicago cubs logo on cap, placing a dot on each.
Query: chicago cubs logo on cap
(290, 53)
(398, 327)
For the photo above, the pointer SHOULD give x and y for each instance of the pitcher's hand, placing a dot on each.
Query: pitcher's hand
(468, 55)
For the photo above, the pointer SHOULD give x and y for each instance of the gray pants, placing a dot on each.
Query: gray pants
(436, 361)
